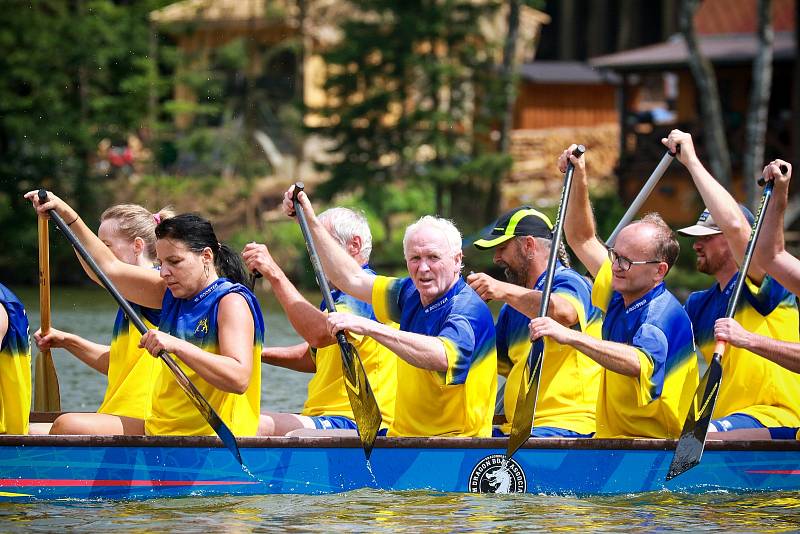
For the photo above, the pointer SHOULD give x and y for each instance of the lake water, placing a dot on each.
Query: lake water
(90, 312)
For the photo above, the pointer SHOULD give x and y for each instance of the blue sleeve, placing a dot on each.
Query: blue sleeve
(768, 296)
(568, 283)
(652, 341)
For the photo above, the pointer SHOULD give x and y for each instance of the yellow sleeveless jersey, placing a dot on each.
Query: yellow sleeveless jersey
(15, 367)
(132, 372)
(195, 320)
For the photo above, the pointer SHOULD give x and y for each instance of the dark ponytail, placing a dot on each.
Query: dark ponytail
(197, 233)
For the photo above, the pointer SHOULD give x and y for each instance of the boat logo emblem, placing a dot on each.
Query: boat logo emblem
(495, 474)
(202, 328)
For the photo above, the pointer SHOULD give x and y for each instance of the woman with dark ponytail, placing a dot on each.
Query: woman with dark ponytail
(209, 320)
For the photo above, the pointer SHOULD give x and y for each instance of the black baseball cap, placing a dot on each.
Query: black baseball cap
(520, 221)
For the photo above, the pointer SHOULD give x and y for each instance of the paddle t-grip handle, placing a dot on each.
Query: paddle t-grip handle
(762, 181)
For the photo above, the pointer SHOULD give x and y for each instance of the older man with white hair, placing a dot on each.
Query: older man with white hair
(327, 405)
(447, 371)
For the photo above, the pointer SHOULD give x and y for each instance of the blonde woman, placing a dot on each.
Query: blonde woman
(128, 230)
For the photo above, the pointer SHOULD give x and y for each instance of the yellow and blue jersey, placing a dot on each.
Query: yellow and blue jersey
(15, 367)
(195, 320)
(456, 402)
(326, 390)
(132, 371)
(654, 404)
(570, 380)
(751, 385)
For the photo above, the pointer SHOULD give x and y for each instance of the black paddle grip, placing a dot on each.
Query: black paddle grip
(762, 181)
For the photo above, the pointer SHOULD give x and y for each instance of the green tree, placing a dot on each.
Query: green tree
(415, 93)
(73, 74)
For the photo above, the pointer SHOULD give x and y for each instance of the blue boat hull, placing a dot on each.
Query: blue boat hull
(92, 467)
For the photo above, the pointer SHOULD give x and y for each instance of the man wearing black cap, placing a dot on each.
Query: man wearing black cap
(567, 399)
(756, 393)
(647, 352)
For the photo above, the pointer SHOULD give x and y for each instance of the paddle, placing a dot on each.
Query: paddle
(690, 446)
(46, 395)
(366, 412)
(200, 402)
(643, 195)
(529, 388)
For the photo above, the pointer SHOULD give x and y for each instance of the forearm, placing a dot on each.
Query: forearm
(784, 353)
(307, 319)
(580, 229)
(297, 358)
(425, 352)
(92, 354)
(723, 207)
(771, 241)
(221, 371)
(529, 302)
(618, 357)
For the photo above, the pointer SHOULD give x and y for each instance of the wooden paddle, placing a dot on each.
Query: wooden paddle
(690, 446)
(366, 412)
(46, 394)
(525, 409)
(200, 402)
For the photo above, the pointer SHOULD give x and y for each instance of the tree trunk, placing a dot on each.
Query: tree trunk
(796, 85)
(710, 109)
(758, 110)
(509, 76)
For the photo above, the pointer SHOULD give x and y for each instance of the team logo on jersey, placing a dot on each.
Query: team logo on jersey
(202, 328)
(496, 474)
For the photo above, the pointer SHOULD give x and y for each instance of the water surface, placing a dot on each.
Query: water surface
(90, 312)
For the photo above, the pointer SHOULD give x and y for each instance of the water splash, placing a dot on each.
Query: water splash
(372, 473)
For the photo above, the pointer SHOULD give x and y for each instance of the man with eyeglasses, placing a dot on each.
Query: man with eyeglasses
(647, 349)
(756, 393)
(521, 240)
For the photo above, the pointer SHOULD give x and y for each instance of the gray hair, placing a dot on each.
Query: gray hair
(345, 224)
(545, 244)
(446, 226)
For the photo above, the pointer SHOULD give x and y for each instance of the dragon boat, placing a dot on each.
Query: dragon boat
(143, 467)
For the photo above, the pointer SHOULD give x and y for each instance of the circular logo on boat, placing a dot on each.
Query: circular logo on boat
(495, 474)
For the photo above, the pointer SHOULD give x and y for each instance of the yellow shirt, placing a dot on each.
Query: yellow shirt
(326, 390)
(751, 385)
(15, 367)
(132, 372)
(459, 401)
(654, 404)
(570, 380)
(195, 320)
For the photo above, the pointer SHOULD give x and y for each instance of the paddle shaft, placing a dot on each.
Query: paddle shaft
(691, 444)
(644, 194)
(47, 396)
(324, 287)
(525, 410)
(366, 412)
(200, 402)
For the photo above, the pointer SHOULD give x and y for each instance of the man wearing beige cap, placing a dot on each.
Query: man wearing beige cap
(755, 393)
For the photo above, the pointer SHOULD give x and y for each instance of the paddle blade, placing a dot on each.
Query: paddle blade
(693, 437)
(525, 408)
(366, 411)
(46, 395)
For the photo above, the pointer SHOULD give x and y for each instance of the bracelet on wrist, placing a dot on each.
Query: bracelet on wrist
(73, 220)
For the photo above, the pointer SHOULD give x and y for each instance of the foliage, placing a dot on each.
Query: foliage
(73, 73)
(411, 103)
